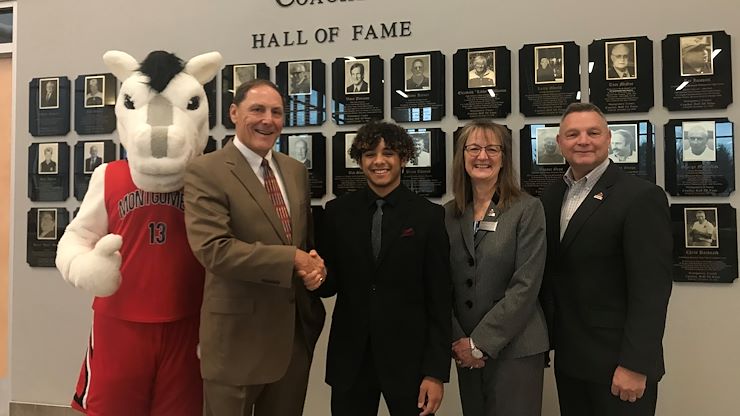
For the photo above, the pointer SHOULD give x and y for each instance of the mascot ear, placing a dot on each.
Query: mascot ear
(121, 64)
(204, 67)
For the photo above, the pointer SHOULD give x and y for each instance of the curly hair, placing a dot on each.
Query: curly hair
(395, 137)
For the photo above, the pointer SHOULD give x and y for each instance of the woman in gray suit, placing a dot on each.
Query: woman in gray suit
(497, 255)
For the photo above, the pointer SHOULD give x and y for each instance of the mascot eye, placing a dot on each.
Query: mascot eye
(128, 103)
(194, 103)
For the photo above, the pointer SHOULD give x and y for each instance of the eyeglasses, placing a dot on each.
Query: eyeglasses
(492, 150)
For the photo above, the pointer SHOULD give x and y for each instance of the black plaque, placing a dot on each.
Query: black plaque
(541, 162)
(704, 243)
(697, 71)
(48, 171)
(699, 157)
(48, 106)
(357, 88)
(122, 154)
(304, 86)
(88, 156)
(310, 149)
(632, 148)
(211, 145)
(241, 73)
(45, 228)
(95, 103)
(425, 174)
(549, 78)
(481, 80)
(621, 74)
(418, 86)
(210, 89)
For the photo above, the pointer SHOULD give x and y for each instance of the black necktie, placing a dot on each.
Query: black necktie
(376, 231)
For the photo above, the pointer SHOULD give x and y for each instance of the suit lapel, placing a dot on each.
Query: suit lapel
(589, 205)
(393, 225)
(244, 173)
(492, 215)
(466, 229)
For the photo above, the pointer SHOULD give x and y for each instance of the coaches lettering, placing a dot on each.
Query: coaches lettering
(288, 3)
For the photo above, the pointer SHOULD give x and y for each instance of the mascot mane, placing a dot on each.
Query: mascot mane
(161, 67)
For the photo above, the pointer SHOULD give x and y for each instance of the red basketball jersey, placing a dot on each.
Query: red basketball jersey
(161, 280)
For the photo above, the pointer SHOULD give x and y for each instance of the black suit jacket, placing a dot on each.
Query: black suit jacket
(400, 305)
(608, 281)
(90, 165)
(363, 87)
(612, 73)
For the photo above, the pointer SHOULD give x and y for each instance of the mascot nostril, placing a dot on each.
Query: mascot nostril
(128, 246)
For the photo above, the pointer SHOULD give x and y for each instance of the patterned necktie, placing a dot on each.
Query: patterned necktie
(376, 231)
(277, 199)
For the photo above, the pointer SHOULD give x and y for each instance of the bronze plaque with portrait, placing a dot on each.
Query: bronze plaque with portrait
(699, 157)
(95, 103)
(88, 155)
(621, 74)
(697, 71)
(310, 150)
(704, 243)
(48, 171)
(357, 90)
(481, 79)
(48, 106)
(45, 228)
(418, 86)
(540, 160)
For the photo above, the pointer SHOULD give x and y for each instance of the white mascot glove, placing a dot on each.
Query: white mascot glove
(98, 271)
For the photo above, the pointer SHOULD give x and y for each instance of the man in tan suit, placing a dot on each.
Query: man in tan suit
(247, 211)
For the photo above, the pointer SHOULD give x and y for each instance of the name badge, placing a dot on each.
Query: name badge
(488, 225)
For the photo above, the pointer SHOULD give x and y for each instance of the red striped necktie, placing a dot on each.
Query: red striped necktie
(277, 199)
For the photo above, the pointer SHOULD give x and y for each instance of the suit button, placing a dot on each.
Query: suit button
(471, 262)
(469, 283)
(469, 304)
(372, 288)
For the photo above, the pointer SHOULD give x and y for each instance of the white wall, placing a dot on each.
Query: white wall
(50, 321)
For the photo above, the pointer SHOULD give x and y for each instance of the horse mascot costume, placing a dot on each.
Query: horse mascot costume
(128, 246)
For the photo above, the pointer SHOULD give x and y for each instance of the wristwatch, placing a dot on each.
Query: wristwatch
(474, 351)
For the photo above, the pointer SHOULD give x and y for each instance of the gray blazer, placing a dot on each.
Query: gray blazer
(496, 277)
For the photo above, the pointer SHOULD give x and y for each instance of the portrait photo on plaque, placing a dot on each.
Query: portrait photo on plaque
(299, 148)
(349, 163)
(94, 91)
(299, 78)
(701, 225)
(93, 156)
(48, 158)
(356, 74)
(696, 55)
(422, 143)
(418, 75)
(548, 150)
(621, 59)
(623, 147)
(243, 73)
(48, 93)
(549, 64)
(698, 141)
(481, 69)
(46, 224)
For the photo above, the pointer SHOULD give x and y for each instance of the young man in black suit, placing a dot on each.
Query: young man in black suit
(387, 256)
(607, 277)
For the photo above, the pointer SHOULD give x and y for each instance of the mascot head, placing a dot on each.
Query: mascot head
(162, 114)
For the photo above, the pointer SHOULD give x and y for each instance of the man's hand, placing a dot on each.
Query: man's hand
(627, 384)
(310, 267)
(430, 395)
(462, 354)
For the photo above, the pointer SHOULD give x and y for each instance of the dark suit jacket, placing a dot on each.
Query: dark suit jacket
(363, 87)
(90, 165)
(608, 281)
(612, 73)
(251, 293)
(401, 305)
(50, 101)
(50, 166)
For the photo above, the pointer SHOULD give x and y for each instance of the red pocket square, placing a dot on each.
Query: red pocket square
(407, 232)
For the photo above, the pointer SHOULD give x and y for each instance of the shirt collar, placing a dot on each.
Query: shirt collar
(254, 160)
(590, 179)
(391, 199)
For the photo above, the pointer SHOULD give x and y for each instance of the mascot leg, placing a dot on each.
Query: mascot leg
(128, 371)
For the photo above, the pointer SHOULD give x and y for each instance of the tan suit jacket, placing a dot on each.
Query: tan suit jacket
(251, 293)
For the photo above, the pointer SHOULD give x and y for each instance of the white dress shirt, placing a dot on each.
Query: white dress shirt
(255, 162)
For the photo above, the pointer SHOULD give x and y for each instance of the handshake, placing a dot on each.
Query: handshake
(310, 267)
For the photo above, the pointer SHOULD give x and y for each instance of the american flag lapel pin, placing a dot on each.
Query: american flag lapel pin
(599, 196)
